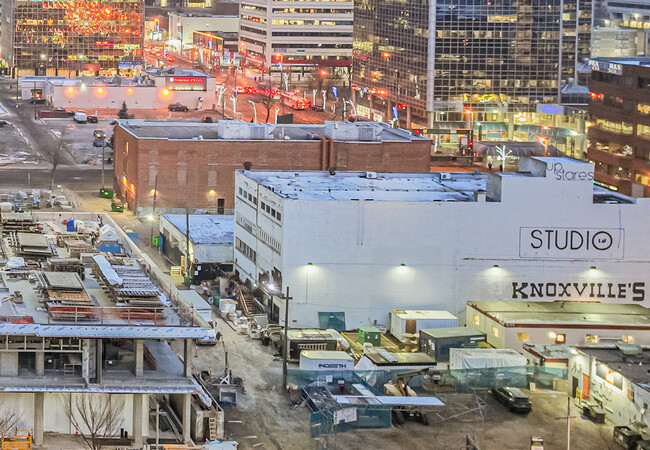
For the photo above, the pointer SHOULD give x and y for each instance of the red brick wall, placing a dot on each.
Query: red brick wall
(203, 160)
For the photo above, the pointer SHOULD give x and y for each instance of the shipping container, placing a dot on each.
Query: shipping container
(371, 335)
(191, 299)
(311, 339)
(484, 358)
(437, 342)
(318, 360)
(411, 322)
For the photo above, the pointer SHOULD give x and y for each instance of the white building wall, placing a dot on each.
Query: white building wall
(136, 97)
(450, 248)
(310, 35)
(187, 25)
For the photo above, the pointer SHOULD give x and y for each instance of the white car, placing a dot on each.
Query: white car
(80, 117)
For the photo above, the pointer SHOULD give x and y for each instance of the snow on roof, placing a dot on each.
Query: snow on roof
(205, 228)
(412, 187)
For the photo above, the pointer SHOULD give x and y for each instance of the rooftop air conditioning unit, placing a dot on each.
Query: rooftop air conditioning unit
(371, 175)
(445, 176)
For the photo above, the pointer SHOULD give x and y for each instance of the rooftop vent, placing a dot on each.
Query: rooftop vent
(629, 349)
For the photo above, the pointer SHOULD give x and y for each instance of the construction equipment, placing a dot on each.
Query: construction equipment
(22, 440)
(400, 388)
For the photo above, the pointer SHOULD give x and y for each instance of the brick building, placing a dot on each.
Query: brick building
(620, 135)
(194, 163)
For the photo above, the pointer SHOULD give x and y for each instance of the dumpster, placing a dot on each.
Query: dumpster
(626, 438)
(117, 206)
(106, 193)
(594, 412)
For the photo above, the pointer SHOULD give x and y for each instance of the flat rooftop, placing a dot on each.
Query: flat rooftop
(642, 62)
(237, 130)
(175, 71)
(565, 313)
(133, 306)
(405, 187)
(206, 228)
(635, 368)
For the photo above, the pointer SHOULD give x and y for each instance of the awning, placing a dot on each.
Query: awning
(516, 148)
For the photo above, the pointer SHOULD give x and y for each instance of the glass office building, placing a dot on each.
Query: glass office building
(68, 37)
(431, 58)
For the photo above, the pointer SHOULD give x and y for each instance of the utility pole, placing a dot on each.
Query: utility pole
(285, 345)
(103, 150)
(157, 425)
(188, 265)
(153, 211)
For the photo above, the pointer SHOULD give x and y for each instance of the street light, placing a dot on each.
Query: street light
(100, 134)
(254, 110)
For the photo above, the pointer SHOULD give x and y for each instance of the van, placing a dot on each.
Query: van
(80, 117)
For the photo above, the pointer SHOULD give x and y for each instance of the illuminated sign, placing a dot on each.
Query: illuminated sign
(606, 66)
(104, 44)
(186, 80)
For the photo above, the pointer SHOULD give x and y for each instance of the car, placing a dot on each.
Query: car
(513, 398)
(99, 134)
(240, 89)
(177, 107)
(37, 101)
(206, 119)
(93, 119)
(318, 108)
(3, 123)
(170, 58)
(80, 117)
(99, 143)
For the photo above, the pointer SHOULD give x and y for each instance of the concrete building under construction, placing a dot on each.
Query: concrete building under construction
(99, 338)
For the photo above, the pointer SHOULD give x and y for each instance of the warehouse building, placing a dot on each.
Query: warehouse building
(512, 324)
(614, 379)
(355, 245)
(198, 160)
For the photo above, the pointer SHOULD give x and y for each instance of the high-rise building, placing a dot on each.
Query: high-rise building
(620, 135)
(431, 58)
(301, 34)
(66, 37)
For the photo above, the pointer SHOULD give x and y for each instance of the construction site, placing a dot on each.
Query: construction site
(85, 339)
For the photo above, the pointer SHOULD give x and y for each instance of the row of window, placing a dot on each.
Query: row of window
(312, 11)
(311, 22)
(245, 250)
(269, 240)
(247, 196)
(271, 211)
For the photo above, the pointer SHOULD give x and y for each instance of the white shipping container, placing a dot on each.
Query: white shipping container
(484, 358)
(325, 360)
(408, 321)
(191, 299)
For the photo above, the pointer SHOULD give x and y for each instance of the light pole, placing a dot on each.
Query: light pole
(100, 134)
(285, 345)
(254, 110)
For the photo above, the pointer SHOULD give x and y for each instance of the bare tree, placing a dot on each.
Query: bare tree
(52, 152)
(95, 416)
(267, 99)
(10, 421)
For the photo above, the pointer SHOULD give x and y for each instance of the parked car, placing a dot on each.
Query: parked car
(3, 123)
(206, 119)
(99, 143)
(80, 117)
(37, 101)
(513, 398)
(93, 119)
(177, 107)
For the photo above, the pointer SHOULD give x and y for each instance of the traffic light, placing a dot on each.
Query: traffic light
(470, 144)
(417, 132)
(402, 106)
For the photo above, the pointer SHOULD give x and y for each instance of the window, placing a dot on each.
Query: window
(592, 338)
(245, 250)
(628, 339)
(495, 331)
(476, 319)
(522, 337)
(560, 339)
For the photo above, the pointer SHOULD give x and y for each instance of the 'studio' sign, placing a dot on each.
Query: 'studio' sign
(571, 243)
